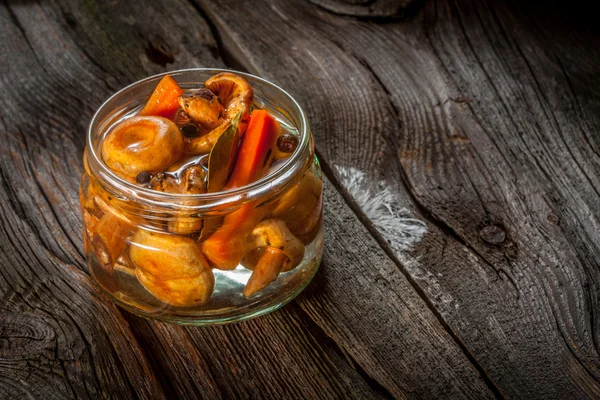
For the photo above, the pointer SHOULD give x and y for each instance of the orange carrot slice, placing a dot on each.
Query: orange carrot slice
(255, 150)
(163, 102)
(225, 248)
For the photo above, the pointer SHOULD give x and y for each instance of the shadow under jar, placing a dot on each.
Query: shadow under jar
(146, 248)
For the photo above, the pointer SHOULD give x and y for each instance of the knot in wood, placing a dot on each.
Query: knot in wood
(25, 336)
(160, 53)
(553, 219)
(493, 235)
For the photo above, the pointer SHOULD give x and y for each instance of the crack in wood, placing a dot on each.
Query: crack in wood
(415, 285)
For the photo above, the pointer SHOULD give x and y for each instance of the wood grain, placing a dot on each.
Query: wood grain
(59, 337)
(277, 356)
(396, 345)
(62, 339)
(368, 9)
(480, 116)
(483, 113)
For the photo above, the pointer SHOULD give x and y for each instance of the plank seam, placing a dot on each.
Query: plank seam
(404, 14)
(313, 326)
(388, 251)
(232, 62)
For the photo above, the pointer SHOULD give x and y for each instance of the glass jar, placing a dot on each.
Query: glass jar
(203, 258)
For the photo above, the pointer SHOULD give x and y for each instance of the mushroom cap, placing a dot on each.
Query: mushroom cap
(166, 256)
(235, 92)
(182, 292)
(201, 108)
(142, 143)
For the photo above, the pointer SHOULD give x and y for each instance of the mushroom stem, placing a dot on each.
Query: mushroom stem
(266, 271)
(205, 143)
(109, 239)
(300, 207)
(275, 233)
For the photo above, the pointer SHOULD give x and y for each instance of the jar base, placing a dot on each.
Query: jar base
(222, 308)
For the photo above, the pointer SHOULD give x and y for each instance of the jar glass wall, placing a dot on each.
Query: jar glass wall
(203, 258)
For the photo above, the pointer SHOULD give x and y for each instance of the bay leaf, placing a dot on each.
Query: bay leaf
(222, 156)
(220, 164)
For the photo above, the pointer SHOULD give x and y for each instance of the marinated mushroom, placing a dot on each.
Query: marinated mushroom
(185, 177)
(172, 268)
(182, 292)
(98, 205)
(100, 202)
(110, 239)
(301, 207)
(182, 178)
(266, 271)
(275, 233)
(236, 95)
(234, 92)
(166, 256)
(142, 143)
(203, 107)
(282, 251)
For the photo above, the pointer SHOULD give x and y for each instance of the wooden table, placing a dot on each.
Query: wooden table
(482, 119)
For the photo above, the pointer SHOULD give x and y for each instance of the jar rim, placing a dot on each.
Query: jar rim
(273, 181)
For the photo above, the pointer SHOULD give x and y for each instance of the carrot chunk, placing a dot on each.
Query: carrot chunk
(226, 246)
(255, 150)
(163, 102)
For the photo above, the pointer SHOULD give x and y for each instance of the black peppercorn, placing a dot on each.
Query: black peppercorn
(189, 130)
(143, 177)
(287, 143)
(205, 94)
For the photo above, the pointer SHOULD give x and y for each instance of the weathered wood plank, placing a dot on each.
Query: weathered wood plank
(59, 337)
(488, 125)
(65, 58)
(277, 356)
(529, 166)
(368, 9)
(359, 299)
